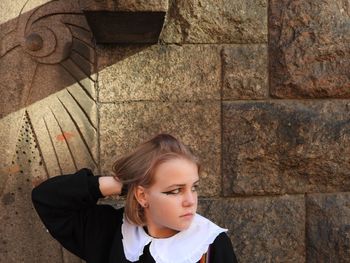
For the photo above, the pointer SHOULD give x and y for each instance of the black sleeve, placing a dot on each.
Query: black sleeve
(67, 206)
(221, 250)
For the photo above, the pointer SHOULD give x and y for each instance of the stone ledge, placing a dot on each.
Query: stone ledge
(124, 5)
(125, 22)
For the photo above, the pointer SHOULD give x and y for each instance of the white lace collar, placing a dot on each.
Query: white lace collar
(187, 246)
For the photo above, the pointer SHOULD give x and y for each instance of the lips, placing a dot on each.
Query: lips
(187, 215)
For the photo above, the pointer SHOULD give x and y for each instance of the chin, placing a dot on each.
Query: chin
(184, 227)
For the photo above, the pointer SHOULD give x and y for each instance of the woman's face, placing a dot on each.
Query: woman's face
(172, 199)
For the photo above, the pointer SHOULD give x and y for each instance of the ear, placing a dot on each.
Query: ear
(141, 195)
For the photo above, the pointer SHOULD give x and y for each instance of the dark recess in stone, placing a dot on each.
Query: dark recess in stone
(125, 27)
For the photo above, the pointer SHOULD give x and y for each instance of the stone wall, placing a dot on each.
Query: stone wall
(258, 89)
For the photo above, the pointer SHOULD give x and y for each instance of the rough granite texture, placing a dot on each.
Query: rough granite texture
(286, 147)
(123, 126)
(213, 81)
(309, 48)
(222, 21)
(163, 73)
(328, 227)
(244, 70)
(265, 229)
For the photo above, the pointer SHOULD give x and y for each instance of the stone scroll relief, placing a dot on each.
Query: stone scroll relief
(47, 66)
(48, 115)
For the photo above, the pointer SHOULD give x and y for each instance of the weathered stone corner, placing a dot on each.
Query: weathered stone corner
(328, 227)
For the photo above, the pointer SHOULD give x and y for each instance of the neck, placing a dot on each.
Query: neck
(160, 233)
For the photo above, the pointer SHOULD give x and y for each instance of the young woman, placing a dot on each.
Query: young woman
(159, 222)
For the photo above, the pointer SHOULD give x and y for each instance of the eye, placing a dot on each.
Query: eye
(195, 188)
(173, 192)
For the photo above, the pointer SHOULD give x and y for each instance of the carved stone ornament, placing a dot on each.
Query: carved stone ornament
(48, 117)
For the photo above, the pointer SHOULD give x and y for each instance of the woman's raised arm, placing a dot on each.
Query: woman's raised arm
(66, 204)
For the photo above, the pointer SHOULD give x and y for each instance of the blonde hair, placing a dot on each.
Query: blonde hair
(138, 168)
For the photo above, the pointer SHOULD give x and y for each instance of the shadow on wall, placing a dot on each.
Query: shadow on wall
(46, 50)
(48, 56)
(48, 116)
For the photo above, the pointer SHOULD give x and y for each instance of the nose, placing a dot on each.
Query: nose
(190, 198)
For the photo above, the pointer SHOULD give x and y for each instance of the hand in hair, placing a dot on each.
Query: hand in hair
(110, 185)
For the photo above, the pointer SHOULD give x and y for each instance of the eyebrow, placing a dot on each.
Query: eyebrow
(180, 185)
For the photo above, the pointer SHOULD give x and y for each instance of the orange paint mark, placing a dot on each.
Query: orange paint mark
(11, 169)
(14, 168)
(65, 136)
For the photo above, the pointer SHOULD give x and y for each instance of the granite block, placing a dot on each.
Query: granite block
(262, 229)
(309, 49)
(244, 72)
(123, 126)
(222, 21)
(328, 227)
(159, 72)
(274, 147)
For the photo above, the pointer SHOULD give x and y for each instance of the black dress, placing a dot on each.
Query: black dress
(67, 206)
